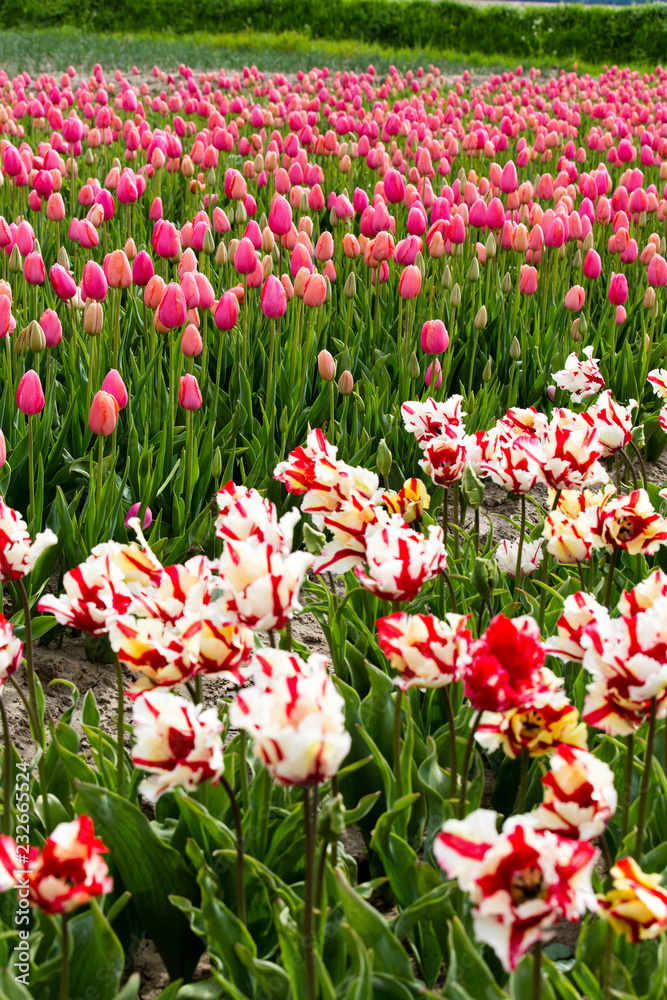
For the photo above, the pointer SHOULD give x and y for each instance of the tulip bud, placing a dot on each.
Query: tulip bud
(35, 337)
(649, 298)
(506, 283)
(473, 487)
(29, 395)
(350, 286)
(15, 260)
(641, 221)
(575, 329)
(93, 318)
(326, 366)
(384, 459)
(114, 385)
(189, 393)
(455, 296)
(588, 243)
(283, 423)
(20, 341)
(221, 254)
(481, 318)
(490, 246)
(488, 371)
(313, 540)
(346, 383)
(63, 259)
(216, 464)
(484, 577)
(576, 260)
(413, 366)
(473, 270)
(208, 243)
(241, 214)
(515, 349)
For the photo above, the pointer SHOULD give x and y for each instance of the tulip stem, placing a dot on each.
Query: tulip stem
(270, 395)
(189, 456)
(243, 771)
(537, 971)
(523, 781)
(240, 873)
(397, 742)
(610, 578)
(519, 553)
(466, 763)
(37, 725)
(120, 727)
(31, 475)
(646, 776)
(6, 772)
(453, 756)
(100, 464)
(309, 820)
(64, 969)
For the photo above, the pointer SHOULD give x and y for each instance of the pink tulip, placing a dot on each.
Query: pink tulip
(117, 269)
(191, 342)
(280, 216)
(29, 395)
(3, 450)
(55, 208)
(575, 298)
(134, 512)
(657, 271)
(528, 280)
(434, 337)
(617, 292)
(205, 289)
(394, 187)
(52, 327)
(428, 378)
(93, 282)
(592, 265)
(410, 282)
(34, 271)
(142, 269)
(326, 366)
(315, 291)
(166, 239)
(509, 181)
(114, 385)
(189, 393)
(245, 257)
(172, 311)
(226, 313)
(63, 283)
(273, 299)
(103, 413)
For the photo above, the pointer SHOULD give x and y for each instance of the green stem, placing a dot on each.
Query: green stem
(189, 459)
(240, 872)
(243, 771)
(100, 463)
(397, 742)
(643, 788)
(31, 474)
(6, 772)
(466, 763)
(523, 782)
(38, 727)
(610, 578)
(627, 785)
(120, 727)
(309, 886)
(64, 971)
(453, 754)
(522, 535)
(537, 971)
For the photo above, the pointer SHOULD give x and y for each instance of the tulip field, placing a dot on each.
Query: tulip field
(332, 417)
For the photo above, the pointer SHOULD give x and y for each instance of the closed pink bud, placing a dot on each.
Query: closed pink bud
(617, 292)
(94, 283)
(3, 450)
(29, 395)
(153, 292)
(410, 282)
(280, 216)
(621, 315)
(286, 282)
(428, 378)
(315, 291)
(227, 312)
(509, 181)
(114, 385)
(245, 257)
(434, 337)
(346, 383)
(555, 235)
(326, 365)
(117, 269)
(103, 413)
(34, 271)
(324, 248)
(190, 290)
(394, 187)
(273, 299)
(87, 235)
(172, 311)
(221, 223)
(657, 271)
(575, 298)
(329, 271)
(142, 269)
(205, 289)
(134, 512)
(63, 283)
(191, 342)
(528, 280)
(166, 239)
(5, 315)
(155, 212)
(55, 208)
(52, 327)
(592, 265)
(189, 393)
(25, 238)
